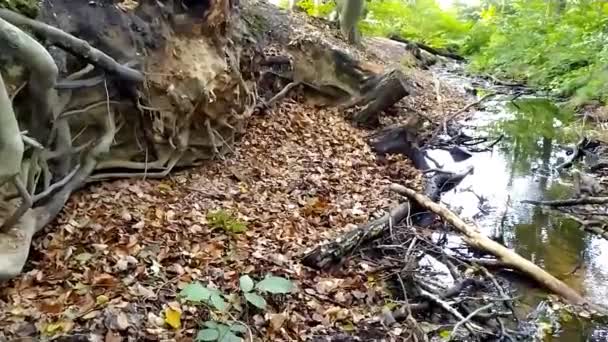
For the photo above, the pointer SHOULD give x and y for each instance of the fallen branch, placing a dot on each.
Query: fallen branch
(468, 318)
(447, 307)
(474, 238)
(427, 48)
(281, 94)
(462, 110)
(445, 181)
(577, 154)
(325, 255)
(569, 202)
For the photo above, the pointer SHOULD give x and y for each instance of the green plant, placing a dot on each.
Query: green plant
(226, 221)
(197, 293)
(215, 331)
(321, 11)
(270, 284)
(560, 46)
(230, 330)
(422, 20)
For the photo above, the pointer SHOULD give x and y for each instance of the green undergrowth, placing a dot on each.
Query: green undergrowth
(561, 46)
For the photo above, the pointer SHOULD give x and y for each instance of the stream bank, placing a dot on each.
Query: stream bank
(534, 135)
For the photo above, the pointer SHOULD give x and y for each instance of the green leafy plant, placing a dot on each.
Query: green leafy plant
(197, 293)
(214, 331)
(322, 10)
(270, 284)
(224, 220)
(557, 45)
(230, 330)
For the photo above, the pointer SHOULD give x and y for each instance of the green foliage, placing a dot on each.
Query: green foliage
(283, 4)
(321, 11)
(226, 221)
(214, 331)
(275, 285)
(422, 20)
(197, 293)
(560, 48)
(271, 284)
(230, 330)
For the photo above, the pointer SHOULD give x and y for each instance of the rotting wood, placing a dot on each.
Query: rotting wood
(427, 48)
(329, 254)
(474, 238)
(387, 91)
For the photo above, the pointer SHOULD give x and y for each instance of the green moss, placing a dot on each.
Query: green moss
(226, 221)
(28, 8)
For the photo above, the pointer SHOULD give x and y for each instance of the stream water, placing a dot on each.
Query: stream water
(519, 167)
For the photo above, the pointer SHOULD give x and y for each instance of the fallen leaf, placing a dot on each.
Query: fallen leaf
(122, 322)
(173, 318)
(63, 326)
(277, 320)
(83, 257)
(112, 336)
(102, 299)
(105, 280)
(50, 307)
(139, 225)
(144, 291)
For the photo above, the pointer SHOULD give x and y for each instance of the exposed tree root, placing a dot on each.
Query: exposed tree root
(74, 45)
(282, 94)
(26, 204)
(105, 176)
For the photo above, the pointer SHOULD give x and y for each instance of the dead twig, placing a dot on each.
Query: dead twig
(468, 318)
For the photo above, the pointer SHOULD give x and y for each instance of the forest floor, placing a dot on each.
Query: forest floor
(115, 260)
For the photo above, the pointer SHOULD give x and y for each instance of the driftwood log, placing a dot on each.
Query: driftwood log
(335, 251)
(479, 241)
(385, 92)
(569, 202)
(399, 140)
(431, 50)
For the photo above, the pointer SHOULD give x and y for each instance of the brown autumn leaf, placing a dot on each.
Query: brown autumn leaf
(112, 336)
(277, 320)
(105, 280)
(51, 307)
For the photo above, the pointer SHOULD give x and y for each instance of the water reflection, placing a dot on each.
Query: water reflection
(517, 169)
